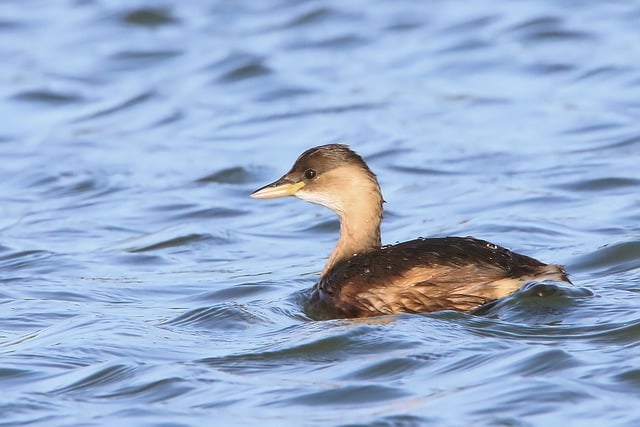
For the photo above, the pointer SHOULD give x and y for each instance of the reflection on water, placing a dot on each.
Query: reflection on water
(142, 285)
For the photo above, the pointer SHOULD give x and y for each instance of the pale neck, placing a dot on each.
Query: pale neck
(359, 226)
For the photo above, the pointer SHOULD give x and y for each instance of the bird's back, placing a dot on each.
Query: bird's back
(423, 275)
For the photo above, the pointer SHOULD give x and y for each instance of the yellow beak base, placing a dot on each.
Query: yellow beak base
(280, 188)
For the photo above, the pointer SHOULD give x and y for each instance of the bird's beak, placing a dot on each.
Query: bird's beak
(281, 188)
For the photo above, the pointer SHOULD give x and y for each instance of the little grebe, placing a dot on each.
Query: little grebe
(363, 278)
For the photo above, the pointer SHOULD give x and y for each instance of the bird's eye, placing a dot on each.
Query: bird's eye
(310, 174)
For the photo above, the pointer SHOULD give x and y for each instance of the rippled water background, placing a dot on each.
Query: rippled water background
(141, 286)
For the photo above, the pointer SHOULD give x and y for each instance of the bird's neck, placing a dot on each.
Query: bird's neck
(359, 226)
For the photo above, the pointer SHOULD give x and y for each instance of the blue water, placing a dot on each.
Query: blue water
(141, 286)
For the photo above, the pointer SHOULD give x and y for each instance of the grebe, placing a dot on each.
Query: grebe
(362, 278)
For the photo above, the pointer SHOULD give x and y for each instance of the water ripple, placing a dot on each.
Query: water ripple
(547, 29)
(232, 175)
(297, 114)
(394, 421)
(236, 292)
(386, 370)
(316, 350)
(48, 97)
(119, 107)
(602, 184)
(158, 240)
(240, 66)
(349, 396)
(224, 317)
(152, 391)
(609, 259)
(308, 17)
(24, 259)
(148, 17)
(93, 378)
(139, 59)
(612, 333)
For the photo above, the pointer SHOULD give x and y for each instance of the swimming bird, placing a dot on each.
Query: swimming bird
(362, 278)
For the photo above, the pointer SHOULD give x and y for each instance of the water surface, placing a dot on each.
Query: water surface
(141, 286)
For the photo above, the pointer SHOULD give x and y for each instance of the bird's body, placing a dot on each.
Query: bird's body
(363, 278)
(460, 273)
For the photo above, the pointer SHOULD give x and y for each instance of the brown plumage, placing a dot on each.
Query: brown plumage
(363, 278)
